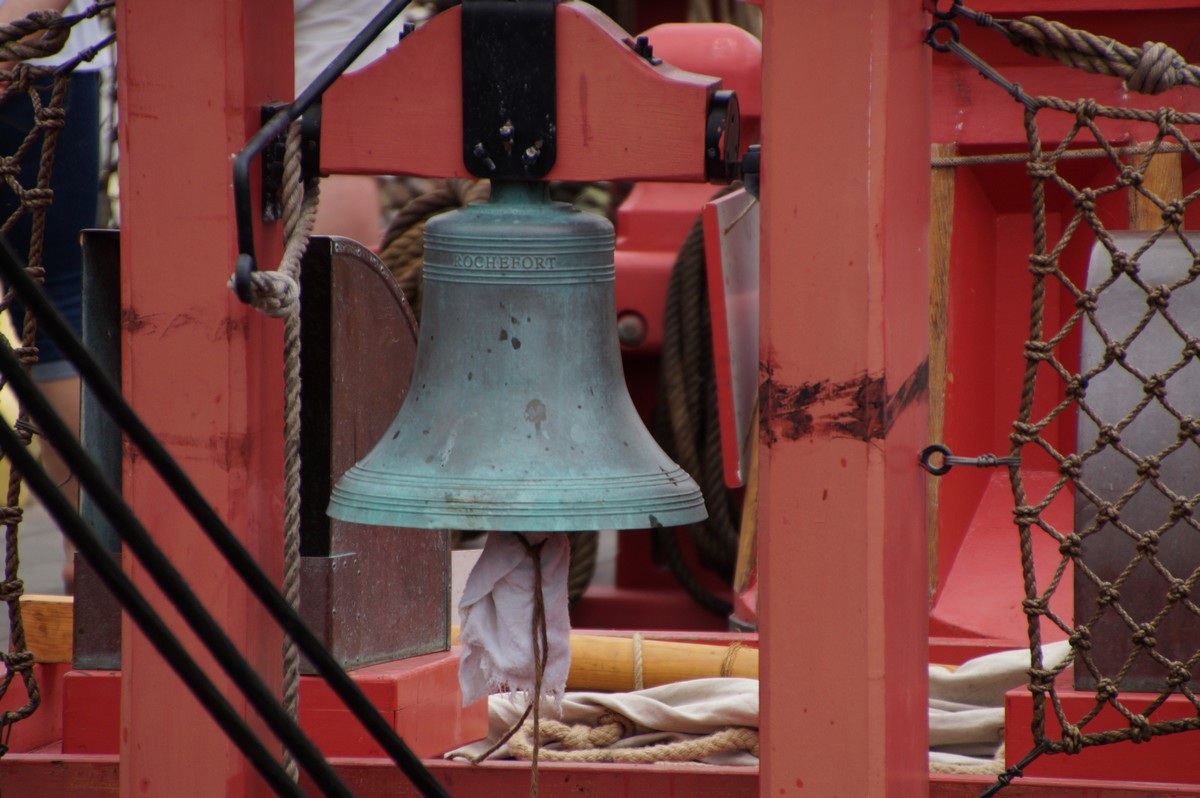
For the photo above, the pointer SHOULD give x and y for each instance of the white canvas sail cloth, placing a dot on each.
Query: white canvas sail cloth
(497, 618)
(966, 707)
(669, 713)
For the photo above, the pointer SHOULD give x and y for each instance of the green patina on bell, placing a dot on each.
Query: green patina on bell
(518, 417)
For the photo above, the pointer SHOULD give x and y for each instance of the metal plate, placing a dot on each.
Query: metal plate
(1113, 394)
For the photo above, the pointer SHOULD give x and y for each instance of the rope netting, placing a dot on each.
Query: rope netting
(1110, 399)
(27, 172)
(1132, 472)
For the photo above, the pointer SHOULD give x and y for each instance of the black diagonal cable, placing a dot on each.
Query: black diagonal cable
(140, 611)
(165, 575)
(109, 397)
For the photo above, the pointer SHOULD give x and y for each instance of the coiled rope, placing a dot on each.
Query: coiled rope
(687, 427)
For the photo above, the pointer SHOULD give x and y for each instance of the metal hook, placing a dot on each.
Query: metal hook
(925, 459)
(955, 8)
(931, 35)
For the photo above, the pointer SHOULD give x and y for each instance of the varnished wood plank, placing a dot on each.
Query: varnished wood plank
(49, 623)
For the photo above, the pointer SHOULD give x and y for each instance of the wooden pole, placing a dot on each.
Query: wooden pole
(941, 228)
(202, 370)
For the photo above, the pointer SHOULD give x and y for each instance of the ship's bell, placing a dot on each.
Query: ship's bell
(517, 417)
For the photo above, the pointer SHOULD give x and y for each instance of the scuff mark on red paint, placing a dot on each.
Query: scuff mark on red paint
(860, 408)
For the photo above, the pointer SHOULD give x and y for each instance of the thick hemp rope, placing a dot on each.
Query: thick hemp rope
(583, 743)
(687, 427)
(1151, 69)
(277, 294)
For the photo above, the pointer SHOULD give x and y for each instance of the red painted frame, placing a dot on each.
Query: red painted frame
(841, 524)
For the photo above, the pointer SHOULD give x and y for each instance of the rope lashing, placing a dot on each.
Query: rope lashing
(15, 46)
(277, 294)
(1151, 69)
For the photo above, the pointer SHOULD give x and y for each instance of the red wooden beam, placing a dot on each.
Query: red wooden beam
(619, 117)
(843, 587)
(203, 371)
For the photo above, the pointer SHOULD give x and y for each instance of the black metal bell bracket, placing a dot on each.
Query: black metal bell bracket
(282, 115)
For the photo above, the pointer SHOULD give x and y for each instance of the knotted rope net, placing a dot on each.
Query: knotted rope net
(1130, 482)
(41, 34)
(1109, 414)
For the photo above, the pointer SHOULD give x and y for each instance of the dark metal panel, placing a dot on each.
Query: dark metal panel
(97, 621)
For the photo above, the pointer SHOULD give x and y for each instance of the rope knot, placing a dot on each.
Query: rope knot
(1038, 350)
(50, 117)
(35, 198)
(1071, 545)
(19, 661)
(1085, 201)
(1108, 595)
(1072, 739)
(1178, 674)
(1172, 213)
(1179, 590)
(1114, 353)
(1148, 467)
(1123, 264)
(1159, 297)
(1040, 169)
(1107, 690)
(1025, 515)
(1180, 509)
(11, 590)
(1144, 637)
(11, 516)
(1086, 301)
(1023, 433)
(1191, 349)
(1129, 177)
(1071, 466)
(275, 294)
(1040, 681)
(1042, 264)
(1158, 69)
(1107, 512)
(1034, 606)
(1076, 387)
(1148, 544)
(1081, 639)
(1155, 385)
(1139, 729)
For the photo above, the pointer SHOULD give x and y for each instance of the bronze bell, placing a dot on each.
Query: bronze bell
(518, 417)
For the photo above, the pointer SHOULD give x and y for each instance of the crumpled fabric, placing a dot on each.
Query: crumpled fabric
(497, 618)
(966, 704)
(664, 714)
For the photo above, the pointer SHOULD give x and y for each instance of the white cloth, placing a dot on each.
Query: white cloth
(324, 28)
(497, 617)
(664, 714)
(966, 704)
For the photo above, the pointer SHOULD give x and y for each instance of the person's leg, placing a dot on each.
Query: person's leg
(63, 395)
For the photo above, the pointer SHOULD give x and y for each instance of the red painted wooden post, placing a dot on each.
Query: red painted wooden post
(844, 593)
(202, 370)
